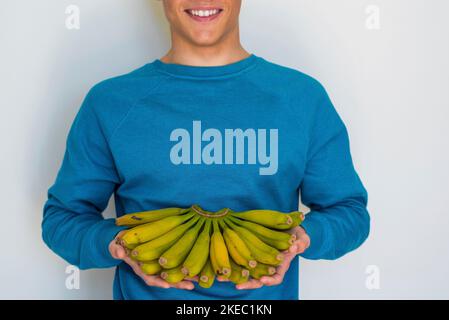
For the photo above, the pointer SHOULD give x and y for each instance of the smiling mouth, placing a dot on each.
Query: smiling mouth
(204, 14)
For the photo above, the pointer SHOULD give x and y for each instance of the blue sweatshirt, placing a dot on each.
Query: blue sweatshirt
(247, 135)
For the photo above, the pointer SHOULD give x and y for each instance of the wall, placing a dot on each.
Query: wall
(389, 84)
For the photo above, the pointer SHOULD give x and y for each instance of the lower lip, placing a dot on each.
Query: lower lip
(204, 19)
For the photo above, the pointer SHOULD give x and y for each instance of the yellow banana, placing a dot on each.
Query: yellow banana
(219, 256)
(260, 250)
(134, 219)
(238, 274)
(298, 218)
(269, 218)
(278, 239)
(173, 276)
(207, 275)
(152, 230)
(262, 270)
(237, 248)
(199, 254)
(153, 249)
(150, 267)
(176, 254)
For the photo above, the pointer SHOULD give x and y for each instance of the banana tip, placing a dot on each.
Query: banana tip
(185, 271)
(226, 272)
(162, 261)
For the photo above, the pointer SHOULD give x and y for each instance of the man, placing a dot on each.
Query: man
(212, 124)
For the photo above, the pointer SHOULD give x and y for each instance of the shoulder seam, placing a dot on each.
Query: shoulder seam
(131, 107)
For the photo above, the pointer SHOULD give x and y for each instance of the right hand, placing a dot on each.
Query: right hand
(118, 252)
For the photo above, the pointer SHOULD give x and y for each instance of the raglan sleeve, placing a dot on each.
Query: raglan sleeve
(338, 221)
(73, 225)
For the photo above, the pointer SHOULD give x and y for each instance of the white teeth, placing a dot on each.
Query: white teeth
(204, 13)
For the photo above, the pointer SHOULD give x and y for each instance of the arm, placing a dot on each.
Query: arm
(73, 225)
(338, 221)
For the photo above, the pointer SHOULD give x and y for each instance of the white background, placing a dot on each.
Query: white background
(391, 87)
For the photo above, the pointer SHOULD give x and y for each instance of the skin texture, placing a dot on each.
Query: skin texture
(211, 43)
(118, 252)
(298, 247)
(204, 43)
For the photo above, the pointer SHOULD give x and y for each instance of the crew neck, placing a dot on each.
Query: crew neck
(189, 71)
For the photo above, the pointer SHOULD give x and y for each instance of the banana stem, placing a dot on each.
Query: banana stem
(208, 214)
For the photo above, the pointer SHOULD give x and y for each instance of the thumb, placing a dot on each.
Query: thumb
(118, 252)
(293, 248)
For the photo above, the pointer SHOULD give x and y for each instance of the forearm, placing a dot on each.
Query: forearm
(80, 239)
(337, 230)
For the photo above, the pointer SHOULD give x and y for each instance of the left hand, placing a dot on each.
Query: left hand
(299, 246)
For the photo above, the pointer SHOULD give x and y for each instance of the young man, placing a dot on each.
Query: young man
(212, 124)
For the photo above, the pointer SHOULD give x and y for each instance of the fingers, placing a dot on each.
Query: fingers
(186, 285)
(156, 281)
(300, 245)
(135, 266)
(118, 252)
(222, 279)
(278, 277)
(250, 284)
(193, 279)
(272, 280)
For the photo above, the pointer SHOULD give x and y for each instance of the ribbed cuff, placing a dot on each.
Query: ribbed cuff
(316, 230)
(101, 236)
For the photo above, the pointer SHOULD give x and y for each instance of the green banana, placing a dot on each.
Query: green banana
(153, 249)
(152, 230)
(173, 276)
(177, 253)
(199, 254)
(150, 267)
(137, 218)
(219, 256)
(262, 270)
(207, 275)
(238, 274)
(269, 218)
(237, 248)
(260, 250)
(278, 239)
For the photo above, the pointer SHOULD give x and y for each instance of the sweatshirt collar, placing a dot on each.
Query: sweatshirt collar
(188, 71)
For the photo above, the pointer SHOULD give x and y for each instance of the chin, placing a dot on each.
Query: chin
(205, 39)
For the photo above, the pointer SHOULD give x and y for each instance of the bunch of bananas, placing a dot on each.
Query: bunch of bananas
(178, 243)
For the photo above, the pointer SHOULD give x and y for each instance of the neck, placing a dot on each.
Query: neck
(226, 51)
